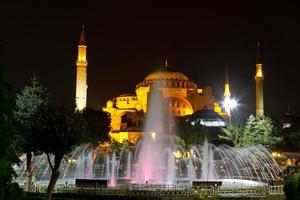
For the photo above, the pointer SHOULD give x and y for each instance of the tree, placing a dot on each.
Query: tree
(115, 146)
(192, 135)
(233, 132)
(290, 137)
(220, 141)
(28, 102)
(97, 126)
(259, 130)
(7, 132)
(292, 187)
(290, 141)
(177, 140)
(58, 130)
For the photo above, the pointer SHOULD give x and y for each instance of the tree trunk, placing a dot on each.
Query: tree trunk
(29, 171)
(54, 176)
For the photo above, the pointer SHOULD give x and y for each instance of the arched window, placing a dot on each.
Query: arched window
(174, 103)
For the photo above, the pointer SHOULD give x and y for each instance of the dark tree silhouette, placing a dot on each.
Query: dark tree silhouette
(191, 134)
(8, 190)
(59, 129)
(28, 102)
(97, 126)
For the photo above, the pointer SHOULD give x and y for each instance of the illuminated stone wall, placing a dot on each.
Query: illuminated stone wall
(259, 90)
(180, 97)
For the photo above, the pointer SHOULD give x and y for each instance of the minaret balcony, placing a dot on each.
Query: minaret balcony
(82, 63)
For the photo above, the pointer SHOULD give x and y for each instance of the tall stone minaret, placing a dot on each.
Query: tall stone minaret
(226, 89)
(226, 86)
(81, 80)
(259, 79)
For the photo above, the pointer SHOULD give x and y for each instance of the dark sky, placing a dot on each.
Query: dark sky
(128, 40)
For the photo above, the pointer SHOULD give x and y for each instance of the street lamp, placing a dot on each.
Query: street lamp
(229, 104)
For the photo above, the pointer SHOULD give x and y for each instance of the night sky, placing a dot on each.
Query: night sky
(128, 40)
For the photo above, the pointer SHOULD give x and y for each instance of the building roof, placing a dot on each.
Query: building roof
(206, 117)
(82, 40)
(127, 95)
(166, 75)
(289, 119)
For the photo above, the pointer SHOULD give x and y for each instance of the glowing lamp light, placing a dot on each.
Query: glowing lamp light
(71, 161)
(153, 135)
(177, 154)
(229, 104)
(274, 154)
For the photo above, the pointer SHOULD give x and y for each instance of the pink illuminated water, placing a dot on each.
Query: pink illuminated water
(153, 161)
(155, 164)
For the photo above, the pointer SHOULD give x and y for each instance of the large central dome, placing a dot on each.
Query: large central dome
(166, 75)
(167, 79)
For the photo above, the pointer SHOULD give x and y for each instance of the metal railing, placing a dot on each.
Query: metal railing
(276, 190)
(180, 191)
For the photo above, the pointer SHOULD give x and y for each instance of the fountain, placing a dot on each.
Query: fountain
(155, 164)
(158, 160)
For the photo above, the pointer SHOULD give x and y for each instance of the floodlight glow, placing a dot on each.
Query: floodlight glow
(229, 104)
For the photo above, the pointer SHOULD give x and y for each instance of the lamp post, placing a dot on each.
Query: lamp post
(228, 105)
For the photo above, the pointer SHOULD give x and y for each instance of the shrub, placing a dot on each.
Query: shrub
(292, 187)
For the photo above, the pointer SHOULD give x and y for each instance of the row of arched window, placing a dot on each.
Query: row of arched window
(169, 83)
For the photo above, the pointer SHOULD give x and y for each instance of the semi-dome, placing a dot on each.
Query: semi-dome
(166, 75)
(206, 117)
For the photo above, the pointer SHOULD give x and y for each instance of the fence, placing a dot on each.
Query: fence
(160, 191)
(276, 190)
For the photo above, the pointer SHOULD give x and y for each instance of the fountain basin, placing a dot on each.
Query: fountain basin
(91, 183)
(213, 183)
(241, 183)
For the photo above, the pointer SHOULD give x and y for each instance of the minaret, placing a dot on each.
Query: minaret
(259, 78)
(81, 80)
(226, 86)
(166, 64)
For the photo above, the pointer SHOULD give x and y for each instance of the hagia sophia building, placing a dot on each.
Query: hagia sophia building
(181, 97)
